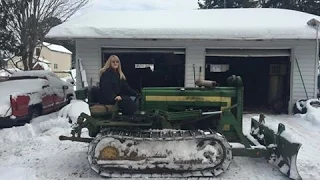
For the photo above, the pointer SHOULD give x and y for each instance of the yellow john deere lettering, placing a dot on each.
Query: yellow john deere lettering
(190, 99)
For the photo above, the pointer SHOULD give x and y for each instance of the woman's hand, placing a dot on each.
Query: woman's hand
(118, 98)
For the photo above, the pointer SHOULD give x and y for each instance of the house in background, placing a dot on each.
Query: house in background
(47, 56)
(59, 57)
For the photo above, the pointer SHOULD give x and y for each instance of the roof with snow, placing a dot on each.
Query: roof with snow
(56, 47)
(240, 23)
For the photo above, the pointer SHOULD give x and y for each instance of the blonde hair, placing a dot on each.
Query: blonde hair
(108, 63)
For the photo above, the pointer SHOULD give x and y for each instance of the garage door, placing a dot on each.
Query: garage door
(248, 52)
(265, 73)
(150, 67)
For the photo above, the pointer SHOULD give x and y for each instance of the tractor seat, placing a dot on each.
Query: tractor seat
(100, 109)
(96, 107)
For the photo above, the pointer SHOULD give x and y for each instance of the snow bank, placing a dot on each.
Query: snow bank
(240, 23)
(29, 131)
(74, 109)
(313, 113)
(50, 124)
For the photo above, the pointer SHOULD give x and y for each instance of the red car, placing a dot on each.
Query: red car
(29, 94)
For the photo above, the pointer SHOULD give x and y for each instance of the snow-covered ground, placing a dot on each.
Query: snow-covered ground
(34, 152)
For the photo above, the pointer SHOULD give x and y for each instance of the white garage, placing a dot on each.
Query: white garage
(266, 47)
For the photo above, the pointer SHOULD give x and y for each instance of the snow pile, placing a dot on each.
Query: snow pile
(28, 151)
(34, 129)
(300, 104)
(74, 109)
(313, 113)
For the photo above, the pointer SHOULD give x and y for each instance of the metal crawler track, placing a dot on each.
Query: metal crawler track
(160, 167)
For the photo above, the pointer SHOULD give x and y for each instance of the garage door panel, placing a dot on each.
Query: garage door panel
(144, 50)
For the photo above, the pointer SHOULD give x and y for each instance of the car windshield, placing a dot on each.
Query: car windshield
(22, 77)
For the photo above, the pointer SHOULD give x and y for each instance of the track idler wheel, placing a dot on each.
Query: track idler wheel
(109, 153)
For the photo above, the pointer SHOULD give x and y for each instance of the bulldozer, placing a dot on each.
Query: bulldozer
(179, 132)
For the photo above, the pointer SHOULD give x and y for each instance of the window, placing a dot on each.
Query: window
(277, 69)
(139, 66)
(38, 50)
(55, 66)
(219, 67)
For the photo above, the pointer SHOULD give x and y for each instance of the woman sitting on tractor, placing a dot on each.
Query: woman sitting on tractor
(114, 88)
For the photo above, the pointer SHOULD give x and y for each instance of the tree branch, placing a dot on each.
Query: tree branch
(32, 19)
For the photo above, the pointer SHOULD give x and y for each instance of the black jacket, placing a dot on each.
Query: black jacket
(111, 86)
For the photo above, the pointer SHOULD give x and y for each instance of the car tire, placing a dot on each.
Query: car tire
(69, 98)
(35, 112)
(300, 107)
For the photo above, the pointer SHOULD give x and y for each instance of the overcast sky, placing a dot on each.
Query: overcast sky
(110, 5)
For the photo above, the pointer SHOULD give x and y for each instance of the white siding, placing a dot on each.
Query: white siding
(90, 55)
(195, 55)
(305, 54)
(304, 50)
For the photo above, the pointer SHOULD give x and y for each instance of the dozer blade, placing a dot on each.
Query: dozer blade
(159, 153)
(283, 151)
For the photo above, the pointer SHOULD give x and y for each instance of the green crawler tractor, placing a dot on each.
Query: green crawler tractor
(179, 132)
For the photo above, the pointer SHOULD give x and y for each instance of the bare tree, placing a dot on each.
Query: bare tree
(32, 19)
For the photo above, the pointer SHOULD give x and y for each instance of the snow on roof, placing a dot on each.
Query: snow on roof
(56, 47)
(241, 23)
